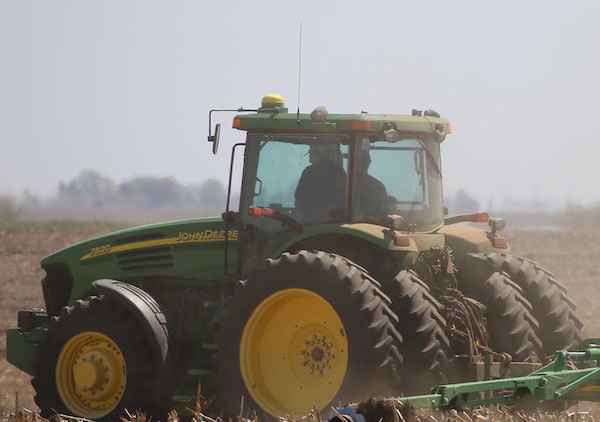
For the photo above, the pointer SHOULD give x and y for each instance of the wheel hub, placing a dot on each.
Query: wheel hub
(93, 368)
(90, 374)
(317, 354)
(85, 375)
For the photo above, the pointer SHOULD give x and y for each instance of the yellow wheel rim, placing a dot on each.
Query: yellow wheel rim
(91, 375)
(293, 353)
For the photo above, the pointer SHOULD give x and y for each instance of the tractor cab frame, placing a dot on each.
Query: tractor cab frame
(318, 174)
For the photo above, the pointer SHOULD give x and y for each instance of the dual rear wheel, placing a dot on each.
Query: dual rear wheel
(539, 315)
(554, 310)
(313, 328)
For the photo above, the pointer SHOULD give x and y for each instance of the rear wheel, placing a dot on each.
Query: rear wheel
(94, 362)
(509, 318)
(306, 330)
(425, 346)
(552, 307)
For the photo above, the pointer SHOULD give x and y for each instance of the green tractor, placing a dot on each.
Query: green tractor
(338, 276)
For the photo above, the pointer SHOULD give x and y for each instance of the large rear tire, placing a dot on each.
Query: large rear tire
(94, 362)
(510, 323)
(425, 346)
(552, 307)
(305, 330)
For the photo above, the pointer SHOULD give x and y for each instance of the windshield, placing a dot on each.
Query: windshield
(401, 177)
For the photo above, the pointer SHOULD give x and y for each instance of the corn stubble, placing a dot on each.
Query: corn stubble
(393, 413)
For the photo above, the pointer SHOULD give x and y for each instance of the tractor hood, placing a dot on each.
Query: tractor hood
(186, 249)
(191, 231)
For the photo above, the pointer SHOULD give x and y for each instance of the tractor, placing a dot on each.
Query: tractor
(337, 274)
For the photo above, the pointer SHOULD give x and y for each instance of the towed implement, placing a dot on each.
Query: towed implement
(570, 377)
(338, 275)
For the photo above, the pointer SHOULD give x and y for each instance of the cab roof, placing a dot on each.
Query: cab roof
(273, 116)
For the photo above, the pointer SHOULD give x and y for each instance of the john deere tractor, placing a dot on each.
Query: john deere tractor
(338, 276)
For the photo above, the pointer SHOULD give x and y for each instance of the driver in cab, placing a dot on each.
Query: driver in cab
(322, 186)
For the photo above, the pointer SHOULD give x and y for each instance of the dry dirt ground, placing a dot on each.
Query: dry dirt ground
(573, 257)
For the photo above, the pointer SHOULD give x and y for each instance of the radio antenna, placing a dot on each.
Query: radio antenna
(299, 73)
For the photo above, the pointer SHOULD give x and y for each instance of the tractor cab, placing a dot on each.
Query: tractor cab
(315, 172)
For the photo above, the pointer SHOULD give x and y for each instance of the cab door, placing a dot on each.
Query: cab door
(273, 168)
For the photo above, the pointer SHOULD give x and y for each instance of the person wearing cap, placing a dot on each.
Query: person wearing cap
(322, 186)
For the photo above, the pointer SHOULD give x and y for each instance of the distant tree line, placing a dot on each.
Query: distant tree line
(92, 188)
(461, 202)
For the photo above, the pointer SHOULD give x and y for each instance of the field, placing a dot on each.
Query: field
(573, 257)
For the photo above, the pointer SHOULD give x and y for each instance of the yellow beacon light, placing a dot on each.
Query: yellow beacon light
(272, 100)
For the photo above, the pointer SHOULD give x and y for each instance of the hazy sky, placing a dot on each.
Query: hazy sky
(124, 87)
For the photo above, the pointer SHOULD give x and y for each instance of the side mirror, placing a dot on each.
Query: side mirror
(215, 138)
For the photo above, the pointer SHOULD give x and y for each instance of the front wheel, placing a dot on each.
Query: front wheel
(94, 362)
(306, 330)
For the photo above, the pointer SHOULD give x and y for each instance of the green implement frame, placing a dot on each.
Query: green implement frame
(569, 377)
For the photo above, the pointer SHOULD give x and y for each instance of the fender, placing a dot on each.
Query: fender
(373, 233)
(147, 311)
(465, 240)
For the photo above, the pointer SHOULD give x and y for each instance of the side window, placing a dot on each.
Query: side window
(405, 182)
(390, 177)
